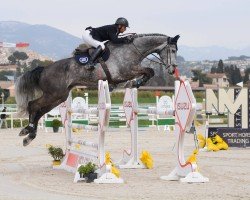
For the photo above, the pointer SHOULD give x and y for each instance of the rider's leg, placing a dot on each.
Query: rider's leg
(87, 37)
(94, 55)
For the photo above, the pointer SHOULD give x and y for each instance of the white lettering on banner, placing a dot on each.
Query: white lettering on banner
(238, 141)
(230, 134)
(244, 134)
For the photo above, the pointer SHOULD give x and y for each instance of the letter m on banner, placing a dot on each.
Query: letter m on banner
(235, 102)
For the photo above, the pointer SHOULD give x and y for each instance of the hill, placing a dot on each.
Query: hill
(58, 44)
(43, 39)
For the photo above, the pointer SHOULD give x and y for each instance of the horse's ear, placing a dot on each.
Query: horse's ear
(173, 40)
(176, 38)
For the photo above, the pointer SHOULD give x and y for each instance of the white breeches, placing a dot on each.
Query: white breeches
(91, 41)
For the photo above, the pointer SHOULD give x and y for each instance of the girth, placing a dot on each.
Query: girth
(106, 70)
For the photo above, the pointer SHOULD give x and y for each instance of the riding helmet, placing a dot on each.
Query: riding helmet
(122, 21)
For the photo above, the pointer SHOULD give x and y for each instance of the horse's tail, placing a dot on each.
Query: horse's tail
(27, 89)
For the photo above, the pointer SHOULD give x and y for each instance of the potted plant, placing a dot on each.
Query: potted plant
(88, 171)
(56, 153)
(56, 124)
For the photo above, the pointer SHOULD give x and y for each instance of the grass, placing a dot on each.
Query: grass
(144, 97)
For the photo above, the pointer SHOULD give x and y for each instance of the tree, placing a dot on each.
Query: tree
(17, 56)
(25, 68)
(233, 74)
(12, 59)
(203, 79)
(246, 77)
(35, 63)
(18, 72)
(20, 55)
(220, 68)
(213, 69)
(6, 93)
(21, 69)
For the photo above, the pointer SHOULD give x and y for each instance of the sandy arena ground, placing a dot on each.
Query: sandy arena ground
(26, 172)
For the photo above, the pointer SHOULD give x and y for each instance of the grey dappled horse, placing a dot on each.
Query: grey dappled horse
(42, 89)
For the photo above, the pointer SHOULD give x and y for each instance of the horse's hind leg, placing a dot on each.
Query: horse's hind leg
(27, 140)
(37, 109)
(146, 73)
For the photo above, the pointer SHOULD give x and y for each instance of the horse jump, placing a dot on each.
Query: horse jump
(184, 109)
(131, 109)
(74, 158)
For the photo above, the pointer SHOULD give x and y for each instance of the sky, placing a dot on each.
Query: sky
(199, 22)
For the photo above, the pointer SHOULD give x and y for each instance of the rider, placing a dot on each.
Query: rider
(96, 37)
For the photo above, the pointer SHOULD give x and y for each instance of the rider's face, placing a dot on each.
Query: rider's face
(122, 29)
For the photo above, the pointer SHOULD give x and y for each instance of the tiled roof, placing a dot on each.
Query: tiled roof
(216, 75)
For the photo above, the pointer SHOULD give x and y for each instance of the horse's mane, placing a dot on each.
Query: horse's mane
(149, 34)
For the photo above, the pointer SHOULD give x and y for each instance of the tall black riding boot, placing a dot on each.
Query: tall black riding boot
(94, 56)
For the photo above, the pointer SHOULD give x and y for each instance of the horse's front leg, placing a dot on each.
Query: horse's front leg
(145, 75)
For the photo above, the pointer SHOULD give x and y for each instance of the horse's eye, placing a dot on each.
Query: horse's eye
(173, 51)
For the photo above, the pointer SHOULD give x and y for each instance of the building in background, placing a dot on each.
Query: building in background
(219, 79)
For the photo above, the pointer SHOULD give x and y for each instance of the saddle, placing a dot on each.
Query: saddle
(82, 57)
(83, 51)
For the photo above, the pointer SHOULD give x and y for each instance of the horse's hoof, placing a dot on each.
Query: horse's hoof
(24, 132)
(136, 84)
(26, 141)
(111, 88)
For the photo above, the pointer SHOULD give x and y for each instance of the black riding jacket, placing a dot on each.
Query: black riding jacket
(108, 32)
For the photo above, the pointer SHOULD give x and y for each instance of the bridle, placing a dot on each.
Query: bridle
(164, 45)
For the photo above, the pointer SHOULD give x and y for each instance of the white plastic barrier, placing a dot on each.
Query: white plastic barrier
(164, 102)
(78, 103)
(74, 158)
(130, 104)
(184, 110)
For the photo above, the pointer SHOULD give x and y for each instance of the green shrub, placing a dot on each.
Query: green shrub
(87, 169)
(56, 123)
(199, 96)
(10, 100)
(56, 153)
(17, 123)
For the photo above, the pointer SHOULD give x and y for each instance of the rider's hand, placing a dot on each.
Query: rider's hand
(129, 39)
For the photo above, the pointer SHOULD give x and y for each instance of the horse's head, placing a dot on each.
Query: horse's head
(168, 51)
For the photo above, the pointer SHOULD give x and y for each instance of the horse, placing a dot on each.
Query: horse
(42, 89)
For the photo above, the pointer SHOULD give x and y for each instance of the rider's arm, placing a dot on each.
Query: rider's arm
(114, 38)
(112, 32)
